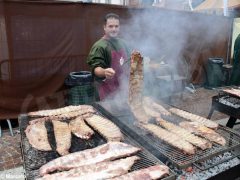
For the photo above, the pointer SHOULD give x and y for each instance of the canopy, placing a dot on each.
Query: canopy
(217, 4)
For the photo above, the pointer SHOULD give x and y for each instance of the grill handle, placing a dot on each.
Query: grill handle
(219, 162)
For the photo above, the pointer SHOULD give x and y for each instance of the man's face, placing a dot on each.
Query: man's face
(112, 27)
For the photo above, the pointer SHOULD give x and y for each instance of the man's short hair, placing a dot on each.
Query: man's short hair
(111, 15)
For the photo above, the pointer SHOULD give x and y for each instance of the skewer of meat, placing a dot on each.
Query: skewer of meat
(194, 117)
(170, 138)
(80, 129)
(37, 136)
(101, 170)
(62, 135)
(152, 172)
(64, 110)
(203, 131)
(105, 152)
(136, 80)
(105, 127)
(186, 135)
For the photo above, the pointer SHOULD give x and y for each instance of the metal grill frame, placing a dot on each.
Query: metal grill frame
(147, 159)
(166, 152)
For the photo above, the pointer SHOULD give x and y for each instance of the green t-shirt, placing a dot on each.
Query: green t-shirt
(100, 53)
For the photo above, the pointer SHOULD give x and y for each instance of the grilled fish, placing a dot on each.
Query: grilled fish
(152, 172)
(194, 117)
(186, 135)
(105, 152)
(37, 136)
(170, 138)
(105, 127)
(203, 131)
(80, 129)
(101, 170)
(63, 137)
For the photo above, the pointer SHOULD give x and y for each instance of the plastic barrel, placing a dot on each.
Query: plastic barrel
(81, 89)
(215, 76)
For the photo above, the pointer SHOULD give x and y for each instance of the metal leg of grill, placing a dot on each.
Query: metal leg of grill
(210, 113)
(231, 122)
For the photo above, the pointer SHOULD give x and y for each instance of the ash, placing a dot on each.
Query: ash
(229, 101)
(197, 174)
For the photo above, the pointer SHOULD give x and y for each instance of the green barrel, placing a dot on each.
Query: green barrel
(81, 89)
(214, 74)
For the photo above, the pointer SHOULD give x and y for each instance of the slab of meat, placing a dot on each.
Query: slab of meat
(140, 114)
(101, 170)
(64, 110)
(170, 138)
(66, 116)
(105, 127)
(136, 80)
(194, 117)
(105, 152)
(80, 129)
(37, 136)
(151, 104)
(63, 137)
(152, 172)
(235, 92)
(203, 131)
(185, 134)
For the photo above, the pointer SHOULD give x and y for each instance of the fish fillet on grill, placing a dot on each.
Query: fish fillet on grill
(65, 110)
(170, 138)
(62, 135)
(80, 129)
(37, 136)
(105, 152)
(105, 127)
(101, 170)
(203, 131)
(150, 104)
(194, 118)
(152, 172)
(185, 134)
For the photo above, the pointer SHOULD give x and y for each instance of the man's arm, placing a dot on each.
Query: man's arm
(108, 73)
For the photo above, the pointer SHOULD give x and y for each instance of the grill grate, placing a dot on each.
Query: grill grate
(34, 159)
(166, 152)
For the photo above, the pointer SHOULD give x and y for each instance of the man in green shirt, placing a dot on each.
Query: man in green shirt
(108, 58)
(235, 76)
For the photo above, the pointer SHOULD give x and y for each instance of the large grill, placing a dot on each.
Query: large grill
(34, 159)
(163, 151)
(228, 104)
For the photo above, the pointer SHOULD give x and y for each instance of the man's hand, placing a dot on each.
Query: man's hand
(109, 73)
